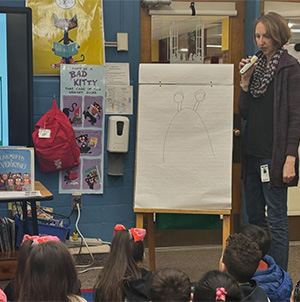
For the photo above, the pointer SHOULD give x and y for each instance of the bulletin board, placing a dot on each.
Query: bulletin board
(184, 137)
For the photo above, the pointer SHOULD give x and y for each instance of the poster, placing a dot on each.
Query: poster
(184, 137)
(66, 32)
(119, 93)
(83, 101)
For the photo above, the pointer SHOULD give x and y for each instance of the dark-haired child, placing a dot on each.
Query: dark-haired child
(122, 276)
(170, 284)
(50, 274)
(276, 282)
(240, 259)
(217, 286)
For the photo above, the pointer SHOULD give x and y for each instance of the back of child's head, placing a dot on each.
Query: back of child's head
(23, 255)
(170, 284)
(136, 244)
(121, 264)
(50, 273)
(241, 257)
(258, 235)
(217, 286)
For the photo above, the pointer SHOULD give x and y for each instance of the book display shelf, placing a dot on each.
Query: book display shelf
(8, 260)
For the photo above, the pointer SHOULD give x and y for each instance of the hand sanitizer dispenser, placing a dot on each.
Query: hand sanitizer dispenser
(117, 144)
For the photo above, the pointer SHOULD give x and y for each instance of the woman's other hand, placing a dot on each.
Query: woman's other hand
(288, 173)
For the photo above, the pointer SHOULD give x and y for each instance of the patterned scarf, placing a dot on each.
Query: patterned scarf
(262, 77)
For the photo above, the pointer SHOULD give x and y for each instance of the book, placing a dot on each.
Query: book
(16, 169)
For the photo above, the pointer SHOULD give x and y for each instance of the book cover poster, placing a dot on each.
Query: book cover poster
(72, 109)
(83, 100)
(91, 172)
(66, 32)
(71, 179)
(89, 142)
(16, 169)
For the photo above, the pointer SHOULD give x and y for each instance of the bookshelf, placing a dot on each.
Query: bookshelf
(8, 260)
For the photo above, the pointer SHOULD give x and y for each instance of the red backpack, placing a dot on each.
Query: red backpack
(55, 142)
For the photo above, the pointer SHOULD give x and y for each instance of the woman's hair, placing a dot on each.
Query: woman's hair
(50, 273)
(170, 284)
(120, 266)
(206, 288)
(277, 28)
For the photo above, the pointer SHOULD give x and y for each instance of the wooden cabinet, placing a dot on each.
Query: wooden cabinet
(8, 264)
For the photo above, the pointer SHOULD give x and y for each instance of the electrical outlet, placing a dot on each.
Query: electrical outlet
(76, 199)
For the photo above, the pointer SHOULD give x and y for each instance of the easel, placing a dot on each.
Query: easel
(149, 215)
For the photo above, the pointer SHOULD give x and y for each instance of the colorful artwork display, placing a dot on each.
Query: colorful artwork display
(83, 100)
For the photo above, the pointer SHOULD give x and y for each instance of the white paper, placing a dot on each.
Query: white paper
(117, 74)
(119, 99)
(184, 141)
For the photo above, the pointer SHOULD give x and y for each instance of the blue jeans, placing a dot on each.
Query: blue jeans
(259, 195)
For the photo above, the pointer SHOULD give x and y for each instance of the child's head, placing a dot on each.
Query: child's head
(217, 286)
(240, 257)
(258, 235)
(50, 273)
(136, 243)
(122, 263)
(23, 255)
(170, 284)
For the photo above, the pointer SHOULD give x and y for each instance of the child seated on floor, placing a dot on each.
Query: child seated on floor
(217, 286)
(122, 276)
(13, 287)
(170, 284)
(50, 274)
(240, 259)
(276, 282)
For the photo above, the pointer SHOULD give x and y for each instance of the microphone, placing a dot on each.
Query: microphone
(251, 62)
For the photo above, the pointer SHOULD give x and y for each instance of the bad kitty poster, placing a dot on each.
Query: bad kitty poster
(82, 100)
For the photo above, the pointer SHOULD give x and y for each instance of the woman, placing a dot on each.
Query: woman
(270, 104)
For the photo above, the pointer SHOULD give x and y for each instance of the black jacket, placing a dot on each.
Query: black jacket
(138, 289)
(252, 292)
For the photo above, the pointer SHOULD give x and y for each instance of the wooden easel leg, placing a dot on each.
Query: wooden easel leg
(139, 220)
(226, 229)
(151, 240)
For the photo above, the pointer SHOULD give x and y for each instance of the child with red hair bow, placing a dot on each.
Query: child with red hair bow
(123, 276)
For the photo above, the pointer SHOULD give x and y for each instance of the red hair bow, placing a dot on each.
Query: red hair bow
(134, 233)
(39, 239)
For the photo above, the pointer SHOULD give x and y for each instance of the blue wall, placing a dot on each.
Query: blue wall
(99, 212)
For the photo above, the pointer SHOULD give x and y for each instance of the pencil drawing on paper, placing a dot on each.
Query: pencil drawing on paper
(187, 123)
